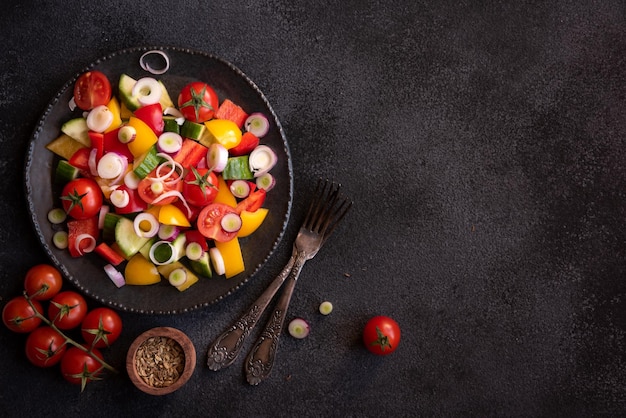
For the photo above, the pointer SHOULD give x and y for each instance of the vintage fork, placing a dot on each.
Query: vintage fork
(326, 210)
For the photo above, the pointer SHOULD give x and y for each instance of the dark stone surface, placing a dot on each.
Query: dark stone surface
(482, 143)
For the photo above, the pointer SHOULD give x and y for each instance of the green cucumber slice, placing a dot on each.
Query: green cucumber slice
(238, 168)
(202, 266)
(65, 172)
(125, 87)
(77, 129)
(146, 163)
(192, 130)
(170, 124)
(126, 238)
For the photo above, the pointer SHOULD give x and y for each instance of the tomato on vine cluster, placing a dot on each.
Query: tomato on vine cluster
(47, 343)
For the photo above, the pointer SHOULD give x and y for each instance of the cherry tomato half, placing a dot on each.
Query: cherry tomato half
(381, 335)
(45, 347)
(198, 102)
(145, 189)
(19, 316)
(67, 310)
(209, 222)
(42, 282)
(81, 198)
(92, 89)
(200, 186)
(79, 367)
(101, 327)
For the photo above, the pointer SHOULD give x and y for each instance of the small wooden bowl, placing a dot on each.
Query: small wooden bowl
(174, 350)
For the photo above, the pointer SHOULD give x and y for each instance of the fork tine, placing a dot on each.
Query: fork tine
(337, 216)
(313, 206)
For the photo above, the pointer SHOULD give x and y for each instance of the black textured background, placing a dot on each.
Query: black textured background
(482, 143)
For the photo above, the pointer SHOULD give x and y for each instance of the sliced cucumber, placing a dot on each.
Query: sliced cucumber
(108, 229)
(238, 168)
(65, 172)
(77, 129)
(145, 249)
(192, 130)
(202, 266)
(179, 246)
(170, 124)
(146, 163)
(125, 87)
(126, 238)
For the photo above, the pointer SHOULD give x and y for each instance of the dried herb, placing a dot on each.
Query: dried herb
(160, 361)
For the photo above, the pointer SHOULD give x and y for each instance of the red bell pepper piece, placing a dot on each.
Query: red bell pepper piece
(97, 143)
(109, 254)
(193, 235)
(191, 153)
(113, 144)
(80, 159)
(249, 141)
(252, 202)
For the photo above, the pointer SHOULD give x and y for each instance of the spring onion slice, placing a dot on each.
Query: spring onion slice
(127, 134)
(60, 240)
(91, 244)
(92, 162)
(217, 157)
(194, 251)
(99, 119)
(147, 90)
(266, 182)
(131, 180)
(257, 124)
(116, 277)
(326, 308)
(57, 216)
(162, 252)
(119, 198)
(169, 143)
(147, 67)
(168, 232)
(231, 222)
(240, 189)
(143, 219)
(217, 260)
(298, 328)
(262, 159)
(112, 166)
(177, 277)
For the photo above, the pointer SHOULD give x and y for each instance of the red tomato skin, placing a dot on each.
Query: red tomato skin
(101, 327)
(203, 193)
(209, 220)
(81, 198)
(19, 316)
(152, 115)
(75, 361)
(200, 105)
(67, 310)
(45, 347)
(146, 194)
(92, 89)
(42, 282)
(381, 335)
(77, 227)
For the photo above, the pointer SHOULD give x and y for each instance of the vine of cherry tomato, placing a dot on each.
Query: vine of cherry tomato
(47, 344)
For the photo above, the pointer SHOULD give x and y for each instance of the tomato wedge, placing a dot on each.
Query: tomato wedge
(209, 222)
(148, 195)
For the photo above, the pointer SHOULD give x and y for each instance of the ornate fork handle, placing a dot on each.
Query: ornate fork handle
(224, 350)
(260, 360)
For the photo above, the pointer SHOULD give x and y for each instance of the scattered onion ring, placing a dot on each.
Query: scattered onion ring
(116, 277)
(99, 119)
(146, 67)
(174, 193)
(119, 198)
(90, 247)
(151, 220)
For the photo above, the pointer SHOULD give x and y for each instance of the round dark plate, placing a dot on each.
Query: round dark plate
(87, 272)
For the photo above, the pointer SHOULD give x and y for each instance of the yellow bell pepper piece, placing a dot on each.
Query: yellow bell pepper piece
(114, 107)
(171, 215)
(145, 138)
(251, 221)
(166, 269)
(65, 146)
(125, 113)
(233, 259)
(140, 271)
(221, 131)
(224, 195)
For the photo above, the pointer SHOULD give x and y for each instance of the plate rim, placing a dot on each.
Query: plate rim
(40, 125)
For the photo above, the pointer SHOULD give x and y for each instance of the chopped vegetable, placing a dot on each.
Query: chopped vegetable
(116, 277)
(147, 90)
(60, 240)
(147, 67)
(326, 308)
(298, 328)
(262, 159)
(57, 216)
(257, 124)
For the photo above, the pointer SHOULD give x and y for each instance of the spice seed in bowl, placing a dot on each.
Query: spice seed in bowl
(160, 361)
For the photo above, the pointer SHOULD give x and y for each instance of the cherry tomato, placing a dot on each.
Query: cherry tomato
(209, 222)
(19, 316)
(198, 102)
(79, 367)
(42, 282)
(81, 198)
(92, 89)
(200, 186)
(45, 347)
(67, 310)
(146, 191)
(381, 335)
(101, 327)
